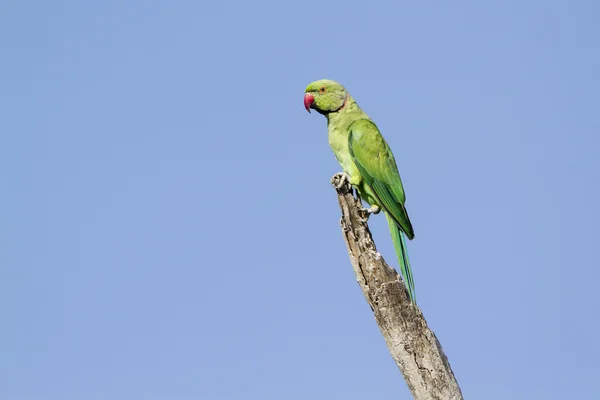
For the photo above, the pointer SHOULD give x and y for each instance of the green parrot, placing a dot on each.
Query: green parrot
(367, 161)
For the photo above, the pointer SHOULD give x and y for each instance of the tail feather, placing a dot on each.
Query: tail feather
(402, 253)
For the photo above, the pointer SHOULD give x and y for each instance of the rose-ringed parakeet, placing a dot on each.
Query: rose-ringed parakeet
(367, 160)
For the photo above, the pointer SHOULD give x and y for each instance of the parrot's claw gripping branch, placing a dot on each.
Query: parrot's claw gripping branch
(371, 210)
(413, 346)
(340, 180)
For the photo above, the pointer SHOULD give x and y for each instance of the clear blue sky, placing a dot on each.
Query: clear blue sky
(169, 232)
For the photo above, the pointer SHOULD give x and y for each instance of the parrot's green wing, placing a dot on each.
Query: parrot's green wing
(377, 166)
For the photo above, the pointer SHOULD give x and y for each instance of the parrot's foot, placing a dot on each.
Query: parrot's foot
(340, 179)
(372, 210)
(368, 211)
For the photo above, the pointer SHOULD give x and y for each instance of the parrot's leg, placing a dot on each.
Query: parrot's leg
(355, 180)
(374, 209)
(371, 201)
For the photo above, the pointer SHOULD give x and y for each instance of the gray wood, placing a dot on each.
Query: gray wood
(413, 346)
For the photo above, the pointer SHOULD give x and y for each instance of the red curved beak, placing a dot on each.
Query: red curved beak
(309, 99)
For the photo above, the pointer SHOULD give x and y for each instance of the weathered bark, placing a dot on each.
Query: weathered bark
(413, 346)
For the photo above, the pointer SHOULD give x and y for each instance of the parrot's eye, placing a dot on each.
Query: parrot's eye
(322, 89)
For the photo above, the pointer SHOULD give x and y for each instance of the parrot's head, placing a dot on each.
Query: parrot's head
(325, 96)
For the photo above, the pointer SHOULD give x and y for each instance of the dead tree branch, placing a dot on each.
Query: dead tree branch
(413, 346)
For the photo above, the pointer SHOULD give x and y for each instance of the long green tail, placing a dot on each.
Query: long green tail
(401, 251)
